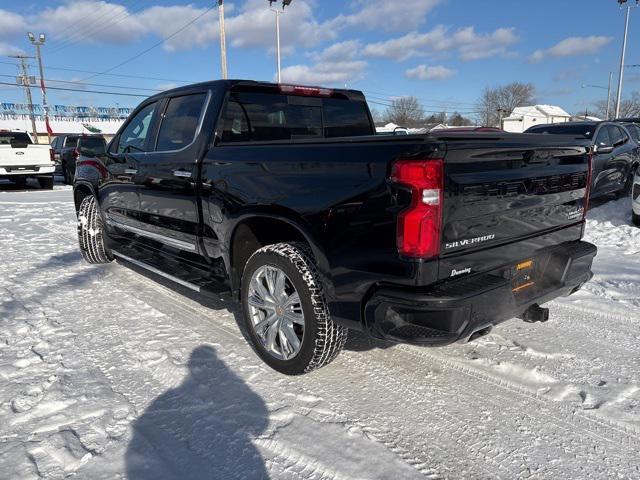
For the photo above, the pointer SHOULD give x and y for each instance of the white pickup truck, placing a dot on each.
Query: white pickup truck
(21, 159)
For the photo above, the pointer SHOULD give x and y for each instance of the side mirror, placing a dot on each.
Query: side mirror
(603, 149)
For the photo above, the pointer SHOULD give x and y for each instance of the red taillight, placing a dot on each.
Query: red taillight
(418, 232)
(75, 154)
(52, 155)
(307, 91)
(587, 188)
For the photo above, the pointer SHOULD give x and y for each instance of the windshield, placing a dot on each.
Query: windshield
(560, 129)
(7, 138)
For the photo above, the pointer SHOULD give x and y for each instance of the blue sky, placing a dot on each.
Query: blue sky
(442, 51)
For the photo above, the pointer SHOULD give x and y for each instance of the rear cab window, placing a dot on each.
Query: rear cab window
(263, 117)
(8, 138)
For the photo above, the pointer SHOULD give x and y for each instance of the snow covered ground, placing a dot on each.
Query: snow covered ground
(105, 373)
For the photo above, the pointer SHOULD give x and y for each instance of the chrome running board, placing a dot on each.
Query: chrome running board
(140, 264)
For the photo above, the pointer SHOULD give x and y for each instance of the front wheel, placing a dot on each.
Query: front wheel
(635, 218)
(285, 311)
(91, 232)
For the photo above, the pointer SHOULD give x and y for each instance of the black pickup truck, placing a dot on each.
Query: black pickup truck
(285, 197)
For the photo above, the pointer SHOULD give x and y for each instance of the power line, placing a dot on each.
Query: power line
(93, 31)
(88, 26)
(142, 77)
(157, 44)
(71, 82)
(122, 94)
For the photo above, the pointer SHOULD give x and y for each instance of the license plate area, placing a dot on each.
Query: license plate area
(523, 276)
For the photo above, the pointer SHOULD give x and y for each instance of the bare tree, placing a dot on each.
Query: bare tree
(376, 115)
(457, 120)
(629, 107)
(503, 99)
(406, 112)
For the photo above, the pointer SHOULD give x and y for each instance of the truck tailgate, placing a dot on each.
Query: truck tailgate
(27, 156)
(515, 189)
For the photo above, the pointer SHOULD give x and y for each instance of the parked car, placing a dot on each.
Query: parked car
(285, 197)
(21, 159)
(68, 149)
(616, 155)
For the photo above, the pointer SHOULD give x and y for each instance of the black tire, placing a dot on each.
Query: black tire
(322, 339)
(91, 233)
(46, 182)
(635, 219)
(19, 181)
(628, 184)
(68, 176)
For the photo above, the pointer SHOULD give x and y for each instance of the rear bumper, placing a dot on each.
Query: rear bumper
(27, 170)
(455, 309)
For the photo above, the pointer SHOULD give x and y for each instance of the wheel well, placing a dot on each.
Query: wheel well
(253, 234)
(79, 194)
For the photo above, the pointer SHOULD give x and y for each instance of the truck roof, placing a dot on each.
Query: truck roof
(267, 87)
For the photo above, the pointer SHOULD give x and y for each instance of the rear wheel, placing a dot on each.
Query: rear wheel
(91, 232)
(636, 219)
(285, 312)
(68, 176)
(46, 182)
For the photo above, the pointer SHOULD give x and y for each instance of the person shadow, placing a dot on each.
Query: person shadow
(201, 429)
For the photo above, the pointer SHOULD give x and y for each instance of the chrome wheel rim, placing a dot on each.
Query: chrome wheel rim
(276, 312)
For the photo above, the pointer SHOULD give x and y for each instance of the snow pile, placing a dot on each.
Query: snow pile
(107, 373)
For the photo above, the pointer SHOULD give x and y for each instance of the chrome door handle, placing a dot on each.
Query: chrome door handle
(130, 171)
(181, 173)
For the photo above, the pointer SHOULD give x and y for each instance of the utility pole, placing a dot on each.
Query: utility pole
(38, 43)
(624, 48)
(278, 12)
(223, 39)
(25, 81)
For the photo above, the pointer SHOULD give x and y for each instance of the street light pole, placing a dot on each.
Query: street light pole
(38, 43)
(624, 48)
(278, 12)
(223, 39)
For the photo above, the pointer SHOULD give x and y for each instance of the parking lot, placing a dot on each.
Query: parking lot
(106, 373)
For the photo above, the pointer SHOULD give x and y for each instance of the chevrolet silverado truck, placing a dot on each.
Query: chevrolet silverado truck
(284, 197)
(21, 159)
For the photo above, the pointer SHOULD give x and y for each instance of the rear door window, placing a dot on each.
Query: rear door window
(634, 131)
(71, 141)
(180, 122)
(616, 135)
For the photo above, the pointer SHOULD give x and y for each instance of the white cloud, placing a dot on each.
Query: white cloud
(165, 20)
(325, 73)
(78, 21)
(340, 51)
(7, 49)
(572, 46)
(388, 15)
(11, 24)
(469, 44)
(436, 72)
